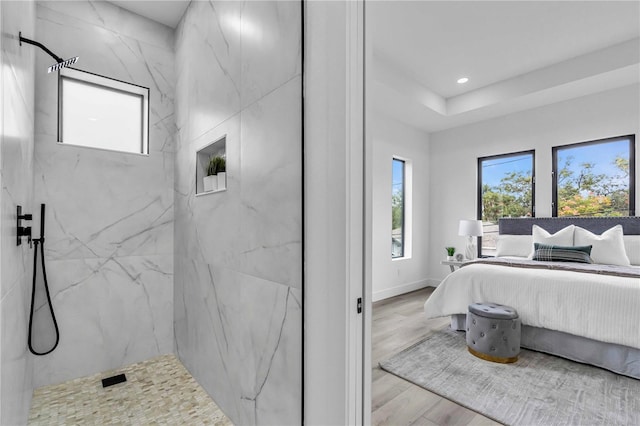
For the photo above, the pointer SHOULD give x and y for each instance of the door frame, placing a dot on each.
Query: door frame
(334, 350)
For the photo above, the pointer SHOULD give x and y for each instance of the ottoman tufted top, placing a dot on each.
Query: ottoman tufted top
(493, 310)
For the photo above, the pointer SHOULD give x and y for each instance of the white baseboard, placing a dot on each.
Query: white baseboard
(401, 289)
(433, 282)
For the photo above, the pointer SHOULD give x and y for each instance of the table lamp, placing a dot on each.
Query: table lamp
(470, 229)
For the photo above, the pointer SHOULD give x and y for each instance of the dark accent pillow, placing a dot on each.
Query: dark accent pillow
(550, 253)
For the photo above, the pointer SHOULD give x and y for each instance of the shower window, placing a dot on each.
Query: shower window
(100, 112)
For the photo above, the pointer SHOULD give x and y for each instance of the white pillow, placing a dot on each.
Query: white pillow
(563, 237)
(632, 247)
(608, 248)
(513, 245)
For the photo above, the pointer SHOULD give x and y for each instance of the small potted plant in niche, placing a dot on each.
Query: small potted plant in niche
(210, 181)
(450, 252)
(222, 172)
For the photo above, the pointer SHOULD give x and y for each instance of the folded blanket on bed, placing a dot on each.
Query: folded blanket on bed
(589, 268)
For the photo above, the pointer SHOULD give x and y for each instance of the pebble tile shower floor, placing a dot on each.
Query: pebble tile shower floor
(157, 391)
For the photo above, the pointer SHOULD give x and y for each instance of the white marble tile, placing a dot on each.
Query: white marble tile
(237, 315)
(17, 60)
(16, 182)
(182, 74)
(242, 341)
(271, 46)
(272, 187)
(111, 17)
(109, 231)
(216, 231)
(111, 312)
(103, 204)
(16, 372)
(282, 384)
(212, 45)
(112, 55)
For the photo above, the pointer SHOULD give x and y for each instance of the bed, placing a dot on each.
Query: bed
(590, 314)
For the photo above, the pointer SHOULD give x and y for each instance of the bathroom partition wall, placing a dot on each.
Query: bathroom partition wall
(16, 181)
(238, 252)
(109, 230)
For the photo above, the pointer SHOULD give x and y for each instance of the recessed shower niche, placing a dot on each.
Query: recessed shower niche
(211, 167)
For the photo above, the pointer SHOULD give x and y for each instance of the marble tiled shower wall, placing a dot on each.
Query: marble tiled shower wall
(16, 178)
(238, 258)
(109, 231)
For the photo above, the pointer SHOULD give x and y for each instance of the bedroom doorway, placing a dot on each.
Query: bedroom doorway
(449, 83)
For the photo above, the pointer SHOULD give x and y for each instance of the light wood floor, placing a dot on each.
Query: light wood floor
(399, 322)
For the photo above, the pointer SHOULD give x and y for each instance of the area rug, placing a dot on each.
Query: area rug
(538, 389)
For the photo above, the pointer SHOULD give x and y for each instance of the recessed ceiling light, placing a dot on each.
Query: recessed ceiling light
(463, 80)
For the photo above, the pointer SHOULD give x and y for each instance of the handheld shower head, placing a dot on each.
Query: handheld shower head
(60, 63)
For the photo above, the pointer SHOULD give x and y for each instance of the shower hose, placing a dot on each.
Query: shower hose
(36, 242)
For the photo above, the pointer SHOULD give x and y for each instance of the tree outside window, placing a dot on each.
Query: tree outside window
(595, 178)
(397, 208)
(505, 189)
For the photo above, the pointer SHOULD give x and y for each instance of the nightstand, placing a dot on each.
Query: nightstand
(454, 263)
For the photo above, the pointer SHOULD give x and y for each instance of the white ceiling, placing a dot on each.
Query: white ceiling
(167, 12)
(517, 55)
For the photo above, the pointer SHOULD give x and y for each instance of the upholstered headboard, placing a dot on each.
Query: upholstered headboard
(597, 225)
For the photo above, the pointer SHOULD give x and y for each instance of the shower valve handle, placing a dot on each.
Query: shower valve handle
(22, 231)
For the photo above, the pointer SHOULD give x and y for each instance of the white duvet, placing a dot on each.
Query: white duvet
(600, 307)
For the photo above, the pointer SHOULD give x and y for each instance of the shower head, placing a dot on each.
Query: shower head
(60, 63)
(63, 64)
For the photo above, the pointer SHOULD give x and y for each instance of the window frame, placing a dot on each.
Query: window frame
(531, 152)
(632, 170)
(111, 84)
(404, 205)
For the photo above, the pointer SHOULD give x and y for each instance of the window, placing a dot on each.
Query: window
(506, 185)
(401, 207)
(100, 112)
(595, 178)
(397, 208)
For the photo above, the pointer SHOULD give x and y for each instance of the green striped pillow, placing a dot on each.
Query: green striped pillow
(550, 253)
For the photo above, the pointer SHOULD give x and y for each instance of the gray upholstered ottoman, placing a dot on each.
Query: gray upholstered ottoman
(493, 332)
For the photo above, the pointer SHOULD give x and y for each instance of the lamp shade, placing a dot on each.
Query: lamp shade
(470, 228)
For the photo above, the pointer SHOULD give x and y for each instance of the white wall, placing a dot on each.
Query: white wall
(396, 276)
(109, 229)
(454, 153)
(16, 178)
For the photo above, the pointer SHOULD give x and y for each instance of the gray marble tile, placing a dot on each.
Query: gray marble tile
(271, 47)
(110, 311)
